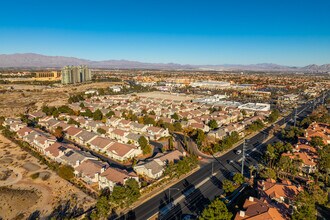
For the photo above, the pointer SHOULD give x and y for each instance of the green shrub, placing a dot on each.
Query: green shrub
(35, 176)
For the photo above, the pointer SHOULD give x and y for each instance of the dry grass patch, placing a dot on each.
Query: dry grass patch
(31, 167)
(51, 190)
(6, 160)
(15, 201)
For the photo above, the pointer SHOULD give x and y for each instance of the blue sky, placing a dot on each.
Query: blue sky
(289, 32)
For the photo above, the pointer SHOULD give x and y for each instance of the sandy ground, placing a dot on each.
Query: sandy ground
(166, 95)
(21, 86)
(16, 103)
(25, 98)
(21, 195)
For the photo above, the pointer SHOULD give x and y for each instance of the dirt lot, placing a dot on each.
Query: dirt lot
(22, 98)
(166, 95)
(28, 186)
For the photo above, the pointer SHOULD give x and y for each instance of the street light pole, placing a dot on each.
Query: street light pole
(295, 116)
(212, 169)
(243, 157)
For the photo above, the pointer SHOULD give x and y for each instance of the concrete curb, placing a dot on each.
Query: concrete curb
(157, 190)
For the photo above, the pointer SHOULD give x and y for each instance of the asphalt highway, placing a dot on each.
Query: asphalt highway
(190, 195)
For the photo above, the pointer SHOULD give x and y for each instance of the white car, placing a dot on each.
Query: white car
(238, 151)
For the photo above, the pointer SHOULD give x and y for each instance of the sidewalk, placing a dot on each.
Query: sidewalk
(157, 190)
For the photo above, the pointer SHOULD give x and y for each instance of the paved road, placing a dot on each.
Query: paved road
(191, 145)
(194, 192)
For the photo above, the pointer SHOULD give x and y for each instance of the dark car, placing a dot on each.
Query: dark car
(188, 217)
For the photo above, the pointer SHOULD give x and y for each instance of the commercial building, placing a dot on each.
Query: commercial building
(225, 103)
(47, 76)
(210, 99)
(115, 88)
(255, 107)
(52, 74)
(75, 74)
(211, 84)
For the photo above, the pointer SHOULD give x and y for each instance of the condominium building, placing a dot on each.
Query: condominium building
(75, 74)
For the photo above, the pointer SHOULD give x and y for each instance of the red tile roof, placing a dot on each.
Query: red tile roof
(73, 131)
(116, 175)
(278, 190)
(120, 149)
(320, 130)
(101, 142)
(197, 125)
(306, 159)
(259, 210)
(90, 167)
(21, 132)
(54, 149)
(119, 132)
(154, 129)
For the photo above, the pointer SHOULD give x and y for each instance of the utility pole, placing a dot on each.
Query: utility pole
(243, 157)
(295, 116)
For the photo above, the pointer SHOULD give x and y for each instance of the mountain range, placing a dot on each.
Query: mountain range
(32, 60)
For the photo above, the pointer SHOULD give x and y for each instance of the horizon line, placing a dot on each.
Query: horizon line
(171, 62)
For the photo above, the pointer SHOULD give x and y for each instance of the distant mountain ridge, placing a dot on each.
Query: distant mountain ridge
(32, 60)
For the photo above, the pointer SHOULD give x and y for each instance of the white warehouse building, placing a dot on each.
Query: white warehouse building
(210, 84)
(255, 107)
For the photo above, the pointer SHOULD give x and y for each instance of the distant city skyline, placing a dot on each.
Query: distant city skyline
(292, 33)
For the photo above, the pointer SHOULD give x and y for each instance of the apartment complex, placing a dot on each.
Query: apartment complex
(75, 74)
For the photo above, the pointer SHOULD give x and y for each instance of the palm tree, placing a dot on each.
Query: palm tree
(271, 156)
(260, 167)
(252, 169)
